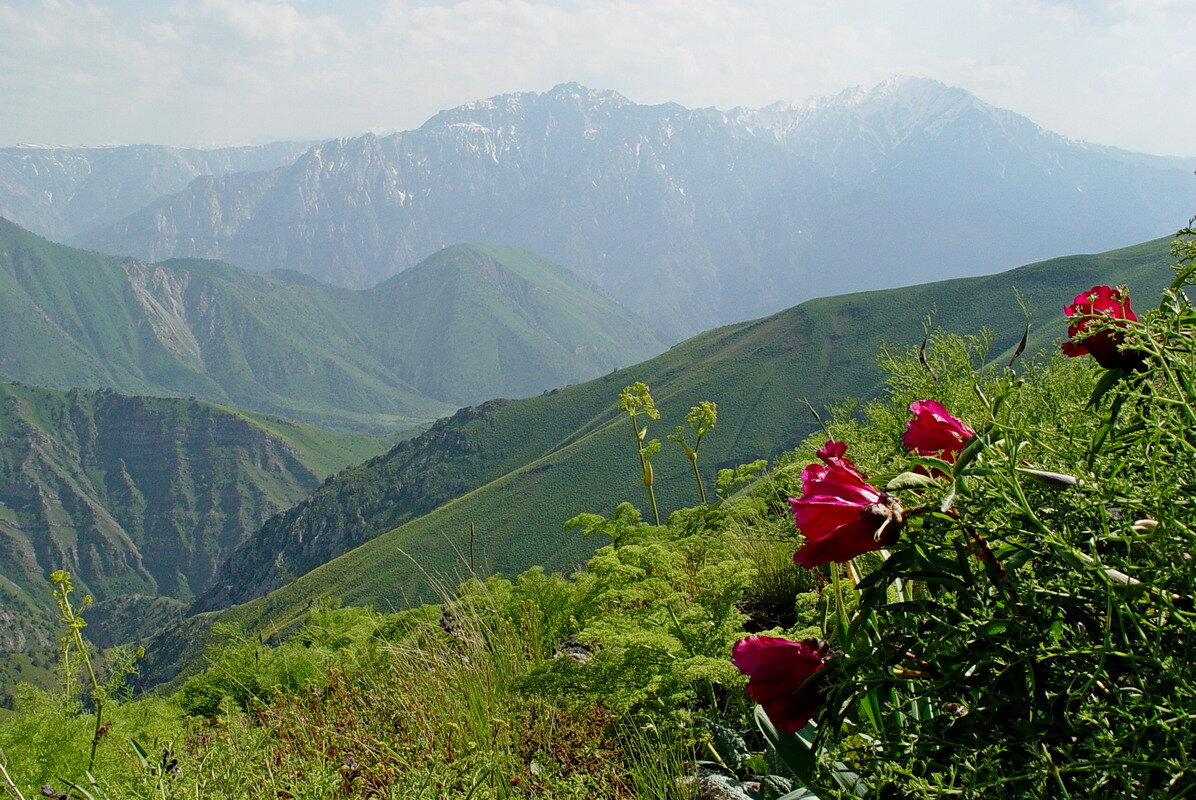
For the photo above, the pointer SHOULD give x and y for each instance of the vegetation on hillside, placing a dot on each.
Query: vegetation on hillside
(1015, 621)
(140, 498)
(1037, 550)
(468, 323)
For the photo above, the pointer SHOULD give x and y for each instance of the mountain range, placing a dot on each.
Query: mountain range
(60, 192)
(691, 217)
(469, 323)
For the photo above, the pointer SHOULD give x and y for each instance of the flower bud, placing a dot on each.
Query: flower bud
(1145, 526)
(1056, 480)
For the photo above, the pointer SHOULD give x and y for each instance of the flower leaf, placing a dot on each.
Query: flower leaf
(910, 480)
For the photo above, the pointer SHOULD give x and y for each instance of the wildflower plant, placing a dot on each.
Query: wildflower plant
(636, 400)
(72, 641)
(1031, 632)
(700, 419)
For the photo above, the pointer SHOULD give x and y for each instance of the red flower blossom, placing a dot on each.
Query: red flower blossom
(839, 513)
(1104, 345)
(777, 670)
(933, 431)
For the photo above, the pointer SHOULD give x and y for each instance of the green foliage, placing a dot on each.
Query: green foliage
(661, 614)
(57, 739)
(701, 419)
(47, 742)
(625, 527)
(246, 673)
(637, 401)
(1007, 583)
(598, 684)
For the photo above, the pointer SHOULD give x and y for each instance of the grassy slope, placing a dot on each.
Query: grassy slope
(66, 320)
(71, 318)
(576, 453)
(469, 323)
(476, 321)
(323, 452)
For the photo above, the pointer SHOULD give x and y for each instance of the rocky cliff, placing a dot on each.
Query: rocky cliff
(137, 495)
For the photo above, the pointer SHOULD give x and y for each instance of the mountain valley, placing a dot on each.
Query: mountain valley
(139, 498)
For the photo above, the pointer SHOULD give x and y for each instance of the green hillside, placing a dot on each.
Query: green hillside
(478, 321)
(138, 496)
(518, 469)
(471, 322)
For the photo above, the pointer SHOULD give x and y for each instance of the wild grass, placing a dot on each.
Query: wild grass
(360, 705)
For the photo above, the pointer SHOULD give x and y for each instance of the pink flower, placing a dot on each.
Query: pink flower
(839, 513)
(777, 670)
(1104, 345)
(933, 431)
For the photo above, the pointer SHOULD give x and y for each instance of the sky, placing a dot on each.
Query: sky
(211, 72)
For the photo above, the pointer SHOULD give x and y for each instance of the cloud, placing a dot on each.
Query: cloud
(220, 70)
(269, 31)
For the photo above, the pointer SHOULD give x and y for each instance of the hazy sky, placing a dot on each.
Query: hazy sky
(1119, 72)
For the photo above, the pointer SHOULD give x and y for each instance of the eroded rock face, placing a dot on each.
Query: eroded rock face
(131, 495)
(22, 629)
(161, 295)
(693, 216)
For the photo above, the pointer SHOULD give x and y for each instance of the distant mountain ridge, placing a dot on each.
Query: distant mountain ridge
(470, 323)
(60, 192)
(693, 217)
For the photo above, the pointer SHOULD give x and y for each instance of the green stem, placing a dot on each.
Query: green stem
(639, 449)
(898, 583)
(96, 696)
(1024, 502)
(10, 784)
(96, 691)
(1054, 772)
(693, 462)
(841, 623)
(652, 500)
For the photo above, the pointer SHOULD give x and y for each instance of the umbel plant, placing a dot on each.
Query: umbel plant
(1012, 589)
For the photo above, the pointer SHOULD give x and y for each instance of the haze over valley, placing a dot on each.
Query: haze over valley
(689, 217)
(328, 283)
